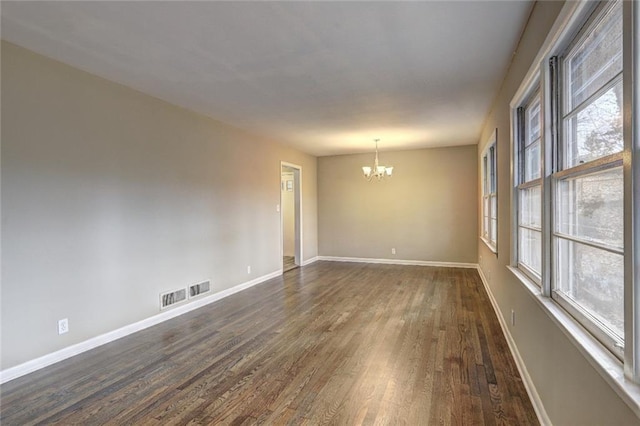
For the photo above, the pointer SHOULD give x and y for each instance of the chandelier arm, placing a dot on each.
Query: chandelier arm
(376, 169)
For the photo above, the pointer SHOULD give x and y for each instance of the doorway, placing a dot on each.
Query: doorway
(290, 215)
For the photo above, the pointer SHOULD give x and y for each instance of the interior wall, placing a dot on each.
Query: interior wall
(288, 215)
(426, 211)
(571, 390)
(110, 197)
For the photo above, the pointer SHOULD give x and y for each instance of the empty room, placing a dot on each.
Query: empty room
(320, 212)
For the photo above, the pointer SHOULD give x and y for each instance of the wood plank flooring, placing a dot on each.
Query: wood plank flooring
(328, 343)
(288, 263)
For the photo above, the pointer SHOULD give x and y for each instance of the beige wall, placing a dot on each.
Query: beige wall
(110, 197)
(572, 392)
(427, 211)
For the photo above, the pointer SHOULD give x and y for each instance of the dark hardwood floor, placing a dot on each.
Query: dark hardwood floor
(328, 343)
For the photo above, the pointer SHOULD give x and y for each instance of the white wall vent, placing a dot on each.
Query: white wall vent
(199, 288)
(172, 297)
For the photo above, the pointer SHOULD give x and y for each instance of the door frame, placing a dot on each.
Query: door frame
(297, 202)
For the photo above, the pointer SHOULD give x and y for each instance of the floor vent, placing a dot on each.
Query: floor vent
(199, 288)
(173, 297)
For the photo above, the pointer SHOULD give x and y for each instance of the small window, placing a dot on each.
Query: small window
(529, 188)
(490, 195)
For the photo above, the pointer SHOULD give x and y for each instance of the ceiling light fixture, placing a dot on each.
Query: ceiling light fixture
(377, 171)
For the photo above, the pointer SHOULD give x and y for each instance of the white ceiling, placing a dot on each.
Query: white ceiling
(325, 77)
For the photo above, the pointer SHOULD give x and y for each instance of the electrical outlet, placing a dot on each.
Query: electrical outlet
(513, 317)
(63, 326)
(249, 269)
(393, 251)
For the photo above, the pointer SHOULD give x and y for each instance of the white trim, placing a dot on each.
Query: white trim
(571, 14)
(310, 261)
(538, 407)
(94, 342)
(631, 96)
(398, 262)
(297, 200)
(599, 357)
(488, 243)
(485, 175)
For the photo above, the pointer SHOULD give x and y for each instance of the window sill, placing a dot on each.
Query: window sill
(489, 244)
(603, 361)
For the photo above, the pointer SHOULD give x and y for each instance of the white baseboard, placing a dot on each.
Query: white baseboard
(399, 262)
(78, 348)
(310, 261)
(538, 407)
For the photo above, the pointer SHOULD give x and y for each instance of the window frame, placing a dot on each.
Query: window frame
(519, 145)
(631, 177)
(623, 377)
(565, 172)
(489, 182)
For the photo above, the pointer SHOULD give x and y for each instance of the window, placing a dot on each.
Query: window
(576, 224)
(490, 196)
(569, 159)
(529, 188)
(587, 240)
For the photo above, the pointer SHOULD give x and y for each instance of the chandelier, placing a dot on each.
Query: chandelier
(377, 171)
